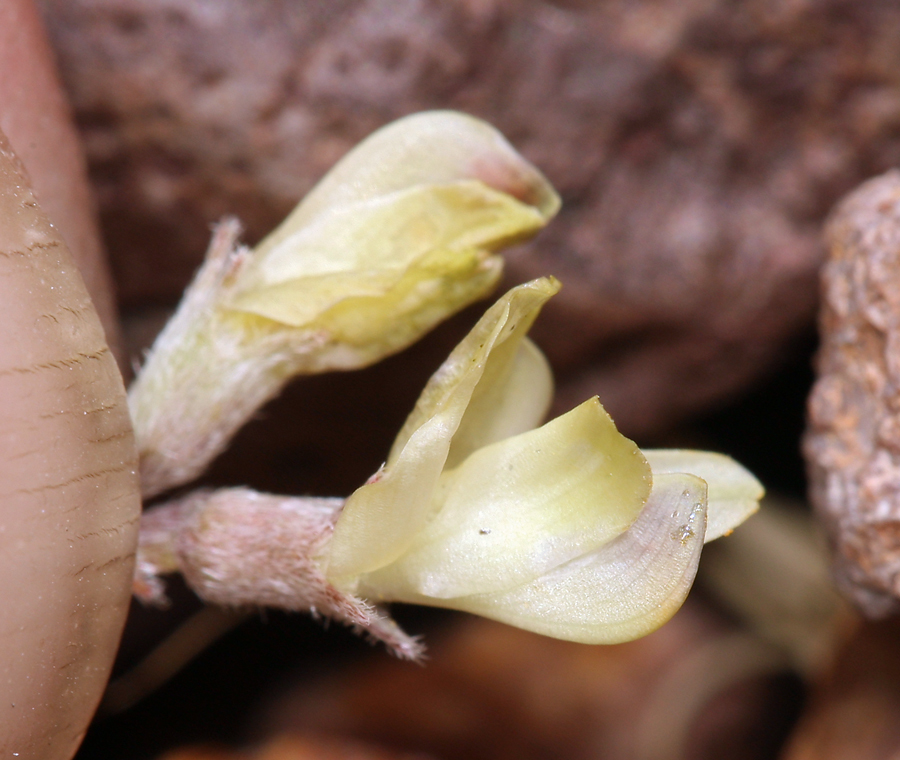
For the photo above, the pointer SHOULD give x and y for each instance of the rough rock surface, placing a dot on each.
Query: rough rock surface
(853, 442)
(697, 144)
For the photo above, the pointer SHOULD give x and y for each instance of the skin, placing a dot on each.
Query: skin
(69, 496)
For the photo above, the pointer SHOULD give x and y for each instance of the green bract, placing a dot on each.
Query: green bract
(561, 529)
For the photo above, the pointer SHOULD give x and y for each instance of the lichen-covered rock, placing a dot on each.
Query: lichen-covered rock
(697, 145)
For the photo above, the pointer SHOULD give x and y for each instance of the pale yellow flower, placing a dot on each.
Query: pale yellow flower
(398, 236)
(566, 529)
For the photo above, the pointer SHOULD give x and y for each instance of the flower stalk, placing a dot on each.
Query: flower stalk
(239, 548)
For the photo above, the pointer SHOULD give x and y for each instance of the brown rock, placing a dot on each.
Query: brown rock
(853, 442)
(697, 145)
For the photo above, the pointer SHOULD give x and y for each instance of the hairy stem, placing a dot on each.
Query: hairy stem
(236, 547)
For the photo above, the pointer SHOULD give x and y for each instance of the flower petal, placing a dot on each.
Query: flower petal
(375, 275)
(396, 237)
(381, 519)
(734, 493)
(516, 509)
(622, 591)
(430, 148)
(478, 373)
(381, 236)
(511, 398)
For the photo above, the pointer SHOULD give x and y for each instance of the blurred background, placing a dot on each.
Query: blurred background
(698, 146)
